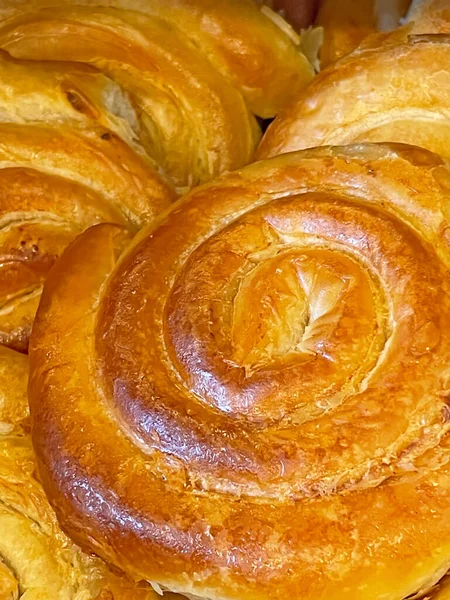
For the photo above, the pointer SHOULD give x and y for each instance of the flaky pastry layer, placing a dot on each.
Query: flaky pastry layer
(251, 401)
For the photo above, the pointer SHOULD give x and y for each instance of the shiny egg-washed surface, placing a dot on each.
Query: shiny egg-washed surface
(400, 85)
(69, 158)
(197, 70)
(252, 401)
(37, 560)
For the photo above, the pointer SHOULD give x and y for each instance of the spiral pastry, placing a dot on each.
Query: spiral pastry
(69, 158)
(401, 89)
(251, 401)
(196, 70)
(37, 560)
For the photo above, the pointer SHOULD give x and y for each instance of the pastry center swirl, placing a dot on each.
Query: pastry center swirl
(283, 333)
(285, 353)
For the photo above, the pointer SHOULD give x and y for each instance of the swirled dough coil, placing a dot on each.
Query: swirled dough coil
(197, 71)
(394, 88)
(252, 401)
(69, 158)
(37, 560)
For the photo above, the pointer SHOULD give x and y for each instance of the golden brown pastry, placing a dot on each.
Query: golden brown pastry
(430, 16)
(442, 591)
(69, 120)
(69, 158)
(347, 22)
(195, 69)
(251, 402)
(37, 560)
(395, 88)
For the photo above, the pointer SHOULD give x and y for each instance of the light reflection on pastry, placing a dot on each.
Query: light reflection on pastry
(69, 158)
(252, 401)
(394, 88)
(195, 70)
(37, 560)
(430, 16)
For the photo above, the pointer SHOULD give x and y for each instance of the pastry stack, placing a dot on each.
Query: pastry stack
(224, 361)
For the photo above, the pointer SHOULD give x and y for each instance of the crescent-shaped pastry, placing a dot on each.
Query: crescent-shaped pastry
(185, 65)
(37, 560)
(347, 22)
(69, 158)
(252, 401)
(395, 88)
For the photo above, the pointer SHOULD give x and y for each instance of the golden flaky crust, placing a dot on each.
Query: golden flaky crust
(69, 158)
(251, 402)
(395, 88)
(196, 70)
(37, 560)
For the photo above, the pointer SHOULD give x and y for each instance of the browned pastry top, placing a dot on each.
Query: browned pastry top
(37, 560)
(195, 70)
(394, 88)
(69, 158)
(251, 402)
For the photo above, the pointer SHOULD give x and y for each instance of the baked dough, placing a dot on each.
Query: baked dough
(195, 70)
(251, 402)
(37, 560)
(347, 23)
(69, 120)
(69, 158)
(394, 88)
(254, 49)
(442, 591)
(430, 16)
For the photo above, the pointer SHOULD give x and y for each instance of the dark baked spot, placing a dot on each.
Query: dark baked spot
(81, 103)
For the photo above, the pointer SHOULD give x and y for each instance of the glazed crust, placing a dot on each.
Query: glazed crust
(69, 120)
(37, 560)
(195, 70)
(244, 44)
(395, 88)
(251, 401)
(69, 158)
